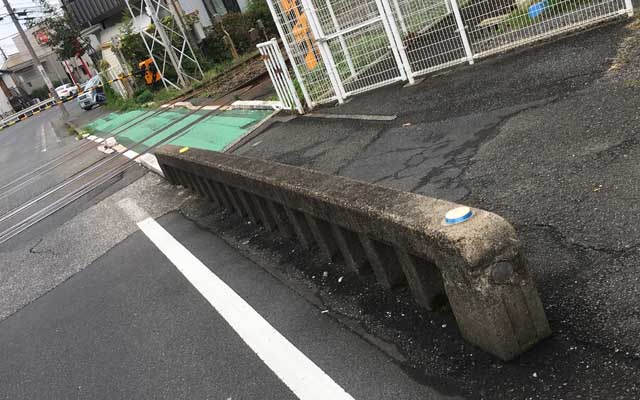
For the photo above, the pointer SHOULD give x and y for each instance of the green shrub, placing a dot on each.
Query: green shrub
(103, 65)
(131, 43)
(238, 26)
(144, 97)
(115, 102)
(43, 92)
(213, 46)
(260, 11)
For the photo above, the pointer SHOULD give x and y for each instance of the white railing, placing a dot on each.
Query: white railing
(339, 48)
(27, 112)
(282, 82)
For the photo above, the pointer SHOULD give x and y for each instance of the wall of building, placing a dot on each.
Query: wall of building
(5, 106)
(29, 79)
(41, 50)
(112, 28)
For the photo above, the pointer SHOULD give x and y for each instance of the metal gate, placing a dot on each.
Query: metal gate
(279, 74)
(360, 43)
(339, 48)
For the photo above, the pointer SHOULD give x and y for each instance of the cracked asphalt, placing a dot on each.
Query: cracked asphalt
(544, 136)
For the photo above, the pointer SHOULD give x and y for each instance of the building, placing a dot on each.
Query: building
(24, 74)
(6, 95)
(101, 21)
(107, 14)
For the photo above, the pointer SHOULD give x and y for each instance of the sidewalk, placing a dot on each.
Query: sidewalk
(545, 137)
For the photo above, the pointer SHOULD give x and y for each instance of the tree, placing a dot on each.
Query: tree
(131, 43)
(63, 34)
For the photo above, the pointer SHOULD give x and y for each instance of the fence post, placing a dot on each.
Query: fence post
(629, 6)
(343, 43)
(403, 26)
(395, 40)
(272, 69)
(285, 42)
(462, 30)
(292, 90)
(325, 52)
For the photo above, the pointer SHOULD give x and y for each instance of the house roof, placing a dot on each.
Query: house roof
(16, 62)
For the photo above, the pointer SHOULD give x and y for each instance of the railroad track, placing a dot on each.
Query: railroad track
(99, 174)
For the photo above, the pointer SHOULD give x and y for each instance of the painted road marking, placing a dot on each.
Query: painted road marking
(131, 154)
(53, 131)
(361, 117)
(43, 139)
(305, 379)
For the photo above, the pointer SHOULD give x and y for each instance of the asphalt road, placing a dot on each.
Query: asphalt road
(131, 326)
(545, 136)
(43, 165)
(34, 141)
(91, 308)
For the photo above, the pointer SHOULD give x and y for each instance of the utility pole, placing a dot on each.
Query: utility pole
(34, 57)
(3, 55)
(167, 44)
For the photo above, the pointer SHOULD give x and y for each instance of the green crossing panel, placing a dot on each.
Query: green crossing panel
(212, 133)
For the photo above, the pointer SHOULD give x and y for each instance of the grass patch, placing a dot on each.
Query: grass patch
(519, 18)
(143, 99)
(147, 98)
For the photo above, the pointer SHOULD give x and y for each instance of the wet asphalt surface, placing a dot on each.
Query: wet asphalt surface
(92, 309)
(547, 138)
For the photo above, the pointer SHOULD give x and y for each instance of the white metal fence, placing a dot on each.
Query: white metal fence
(279, 74)
(339, 48)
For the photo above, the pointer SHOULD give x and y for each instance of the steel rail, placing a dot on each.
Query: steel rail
(106, 160)
(89, 144)
(104, 177)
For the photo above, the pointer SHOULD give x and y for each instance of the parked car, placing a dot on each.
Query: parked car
(67, 91)
(92, 93)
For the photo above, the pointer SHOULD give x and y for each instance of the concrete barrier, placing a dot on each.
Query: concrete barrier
(400, 236)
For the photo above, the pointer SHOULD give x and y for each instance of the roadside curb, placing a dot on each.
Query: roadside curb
(435, 247)
(236, 105)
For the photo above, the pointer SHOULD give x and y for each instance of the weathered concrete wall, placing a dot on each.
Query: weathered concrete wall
(400, 236)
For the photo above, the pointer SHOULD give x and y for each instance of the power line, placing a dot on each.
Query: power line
(34, 57)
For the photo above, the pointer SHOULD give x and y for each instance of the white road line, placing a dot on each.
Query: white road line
(130, 154)
(361, 117)
(53, 132)
(43, 139)
(305, 379)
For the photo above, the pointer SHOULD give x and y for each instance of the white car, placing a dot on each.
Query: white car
(67, 91)
(92, 93)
